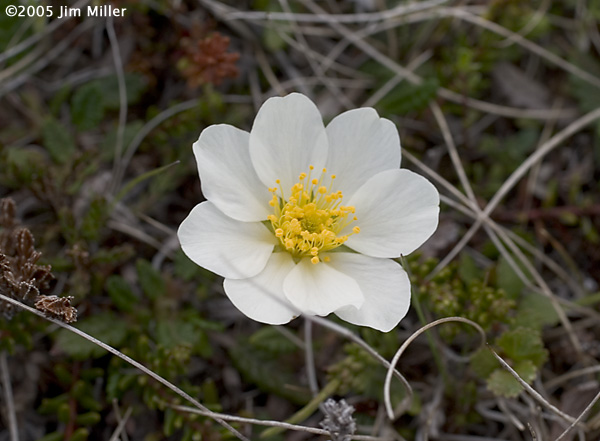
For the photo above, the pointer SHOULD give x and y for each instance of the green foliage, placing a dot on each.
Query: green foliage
(18, 331)
(522, 349)
(22, 166)
(87, 106)
(95, 219)
(406, 97)
(77, 406)
(58, 141)
(150, 279)
(535, 311)
(459, 290)
(184, 267)
(104, 326)
(121, 293)
(503, 156)
(269, 339)
(135, 85)
(268, 373)
(359, 373)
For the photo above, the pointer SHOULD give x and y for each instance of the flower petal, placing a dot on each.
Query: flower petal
(361, 144)
(227, 176)
(319, 289)
(261, 297)
(396, 210)
(385, 286)
(227, 247)
(288, 135)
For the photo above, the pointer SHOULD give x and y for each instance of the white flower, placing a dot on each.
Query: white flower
(303, 219)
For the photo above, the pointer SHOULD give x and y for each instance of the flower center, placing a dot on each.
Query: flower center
(312, 218)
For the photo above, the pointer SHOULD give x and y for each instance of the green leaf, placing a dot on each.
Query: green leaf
(87, 107)
(121, 293)
(269, 339)
(184, 267)
(94, 219)
(150, 279)
(502, 383)
(88, 419)
(468, 269)
(536, 311)
(526, 370)
(54, 436)
(58, 141)
(268, 373)
(106, 327)
(484, 363)
(523, 344)
(507, 279)
(135, 85)
(406, 97)
(80, 434)
(171, 333)
(107, 147)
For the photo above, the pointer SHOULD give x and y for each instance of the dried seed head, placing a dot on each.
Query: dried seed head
(338, 420)
(8, 210)
(57, 307)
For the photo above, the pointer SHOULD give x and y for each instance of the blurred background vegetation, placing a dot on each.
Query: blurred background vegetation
(97, 118)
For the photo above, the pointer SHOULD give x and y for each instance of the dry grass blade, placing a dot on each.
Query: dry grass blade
(127, 359)
(9, 401)
(267, 423)
(394, 362)
(121, 426)
(531, 390)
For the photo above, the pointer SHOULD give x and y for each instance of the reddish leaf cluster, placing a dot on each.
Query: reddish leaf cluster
(21, 278)
(207, 60)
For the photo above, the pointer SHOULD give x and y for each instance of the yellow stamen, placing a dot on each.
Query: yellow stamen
(312, 219)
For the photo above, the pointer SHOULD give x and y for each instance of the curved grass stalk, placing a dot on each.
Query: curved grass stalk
(388, 377)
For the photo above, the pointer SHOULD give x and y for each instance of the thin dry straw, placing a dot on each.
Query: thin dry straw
(202, 410)
(8, 398)
(532, 391)
(118, 62)
(394, 362)
(129, 360)
(37, 36)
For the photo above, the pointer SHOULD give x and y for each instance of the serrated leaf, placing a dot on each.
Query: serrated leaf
(484, 363)
(526, 370)
(87, 106)
(150, 279)
(536, 311)
(104, 326)
(523, 344)
(502, 383)
(121, 293)
(58, 141)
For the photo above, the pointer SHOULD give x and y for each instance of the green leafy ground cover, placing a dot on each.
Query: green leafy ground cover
(97, 118)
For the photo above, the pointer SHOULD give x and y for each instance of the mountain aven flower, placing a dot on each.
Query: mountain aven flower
(304, 219)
